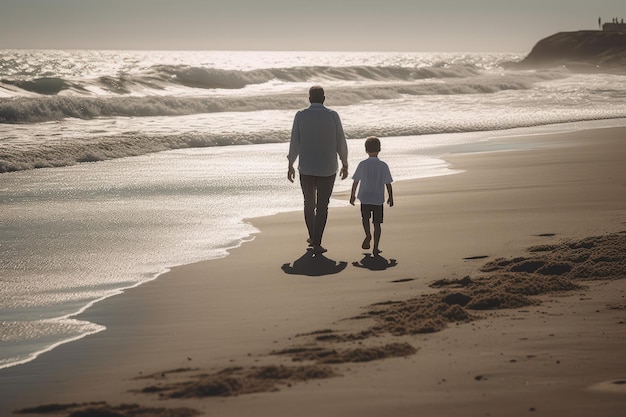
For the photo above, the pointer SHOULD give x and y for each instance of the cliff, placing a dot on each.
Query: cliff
(582, 50)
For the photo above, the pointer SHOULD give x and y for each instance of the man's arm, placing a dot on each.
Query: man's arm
(344, 172)
(291, 172)
(294, 148)
(353, 193)
(342, 147)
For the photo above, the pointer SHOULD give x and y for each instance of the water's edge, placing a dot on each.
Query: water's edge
(485, 145)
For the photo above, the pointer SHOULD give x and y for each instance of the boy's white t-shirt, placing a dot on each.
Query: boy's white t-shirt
(373, 174)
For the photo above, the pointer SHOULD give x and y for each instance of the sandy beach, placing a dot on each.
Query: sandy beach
(456, 318)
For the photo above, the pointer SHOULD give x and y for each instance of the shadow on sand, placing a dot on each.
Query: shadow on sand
(314, 265)
(375, 262)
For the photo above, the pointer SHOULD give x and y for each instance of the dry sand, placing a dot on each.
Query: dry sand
(500, 291)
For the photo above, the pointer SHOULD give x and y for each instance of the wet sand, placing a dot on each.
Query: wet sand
(500, 291)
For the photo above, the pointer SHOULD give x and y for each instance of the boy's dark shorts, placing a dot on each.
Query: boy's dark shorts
(373, 211)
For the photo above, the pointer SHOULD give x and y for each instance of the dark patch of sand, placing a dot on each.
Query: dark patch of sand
(237, 381)
(503, 283)
(102, 409)
(360, 354)
(602, 257)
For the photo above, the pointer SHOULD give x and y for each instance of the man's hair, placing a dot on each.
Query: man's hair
(316, 94)
(372, 144)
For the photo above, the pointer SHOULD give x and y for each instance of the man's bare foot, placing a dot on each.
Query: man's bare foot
(376, 252)
(366, 243)
(317, 249)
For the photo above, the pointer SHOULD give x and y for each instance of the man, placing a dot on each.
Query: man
(317, 138)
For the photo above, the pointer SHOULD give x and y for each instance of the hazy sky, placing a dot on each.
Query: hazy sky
(342, 25)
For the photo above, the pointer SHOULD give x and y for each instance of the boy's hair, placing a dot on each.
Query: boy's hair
(372, 144)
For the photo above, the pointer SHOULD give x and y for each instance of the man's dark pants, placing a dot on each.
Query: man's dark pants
(316, 191)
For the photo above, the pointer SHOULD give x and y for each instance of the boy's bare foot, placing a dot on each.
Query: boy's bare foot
(376, 252)
(366, 243)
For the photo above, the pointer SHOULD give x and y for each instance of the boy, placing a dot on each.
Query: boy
(374, 176)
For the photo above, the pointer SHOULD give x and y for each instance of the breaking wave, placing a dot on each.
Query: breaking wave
(159, 77)
(60, 108)
(57, 107)
(49, 154)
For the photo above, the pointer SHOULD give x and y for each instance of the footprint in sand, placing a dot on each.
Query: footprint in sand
(616, 386)
(403, 280)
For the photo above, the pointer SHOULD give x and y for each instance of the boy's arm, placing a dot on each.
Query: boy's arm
(353, 193)
(390, 192)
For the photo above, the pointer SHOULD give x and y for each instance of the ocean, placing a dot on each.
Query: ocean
(118, 165)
